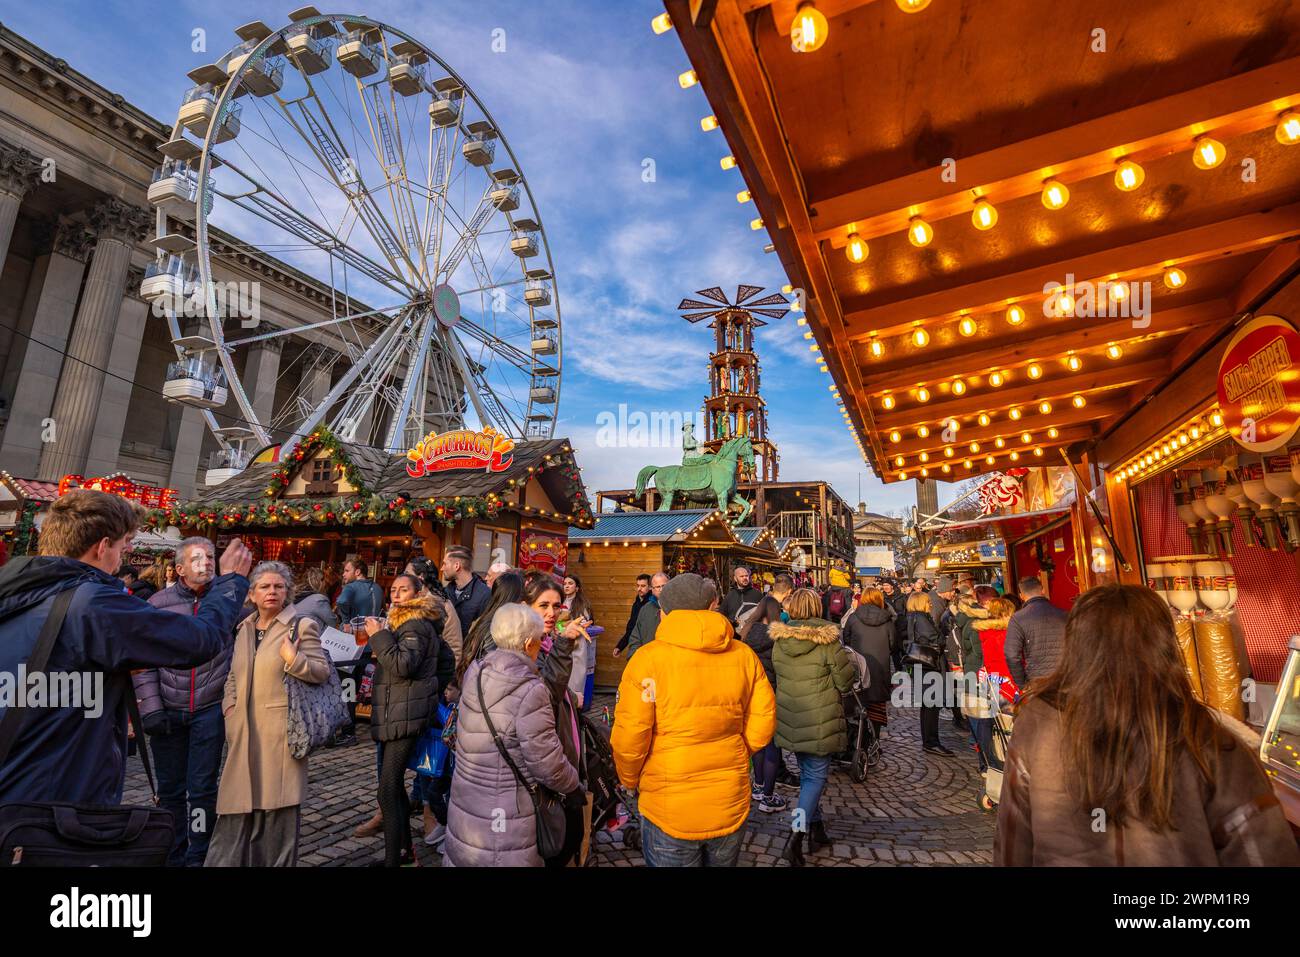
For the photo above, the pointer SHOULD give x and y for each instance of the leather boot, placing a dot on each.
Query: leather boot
(817, 837)
(794, 849)
(371, 827)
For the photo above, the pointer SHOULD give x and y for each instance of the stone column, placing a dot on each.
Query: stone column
(261, 369)
(117, 227)
(31, 376)
(110, 420)
(19, 172)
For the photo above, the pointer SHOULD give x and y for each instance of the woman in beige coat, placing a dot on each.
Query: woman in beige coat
(263, 785)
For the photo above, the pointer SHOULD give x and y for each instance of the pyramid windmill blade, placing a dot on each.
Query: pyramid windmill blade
(772, 300)
(714, 293)
(743, 292)
(771, 313)
(694, 304)
(697, 316)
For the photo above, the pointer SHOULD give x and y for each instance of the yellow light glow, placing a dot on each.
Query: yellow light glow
(708, 123)
(1015, 456)
(920, 338)
(1117, 291)
(795, 307)
(856, 249)
(1026, 438)
(1064, 304)
(967, 327)
(948, 452)
(974, 446)
(1015, 414)
(1195, 433)
(1078, 402)
(969, 464)
(1208, 153)
(947, 467)
(1015, 315)
(1174, 278)
(1045, 408)
(1182, 438)
(924, 456)
(1055, 195)
(1129, 175)
(1216, 419)
(662, 23)
(1035, 371)
(984, 418)
(912, 6)
(687, 80)
(958, 387)
(919, 232)
(743, 196)
(996, 379)
(808, 30)
(887, 401)
(989, 460)
(1053, 432)
(923, 395)
(1074, 363)
(902, 476)
(756, 224)
(999, 442)
(984, 215)
(924, 473)
(1113, 351)
(1038, 452)
(727, 162)
(815, 348)
(1288, 128)
(895, 436)
(899, 461)
(923, 432)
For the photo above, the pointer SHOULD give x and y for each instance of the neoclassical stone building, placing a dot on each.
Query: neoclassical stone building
(79, 350)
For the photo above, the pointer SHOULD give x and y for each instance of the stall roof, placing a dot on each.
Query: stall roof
(34, 490)
(642, 526)
(962, 102)
(1010, 527)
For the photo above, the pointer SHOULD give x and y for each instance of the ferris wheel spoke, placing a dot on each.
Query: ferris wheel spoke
(386, 137)
(521, 360)
(416, 385)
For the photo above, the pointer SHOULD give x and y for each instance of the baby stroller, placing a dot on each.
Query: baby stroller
(1002, 723)
(863, 751)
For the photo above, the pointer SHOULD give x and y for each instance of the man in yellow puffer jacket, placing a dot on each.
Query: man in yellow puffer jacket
(693, 705)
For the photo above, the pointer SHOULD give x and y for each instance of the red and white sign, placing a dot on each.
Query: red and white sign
(1259, 384)
(1000, 494)
(150, 496)
(486, 450)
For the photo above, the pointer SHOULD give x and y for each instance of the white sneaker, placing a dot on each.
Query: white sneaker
(436, 836)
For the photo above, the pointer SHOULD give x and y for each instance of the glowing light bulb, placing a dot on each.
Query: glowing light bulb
(756, 224)
(984, 215)
(1183, 439)
(1025, 437)
(924, 456)
(912, 6)
(923, 395)
(1117, 291)
(1053, 432)
(899, 461)
(687, 80)
(967, 327)
(1055, 195)
(999, 442)
(947, 452)
(856, 249)
(1074, 363)
(958, 387)
(947, 467)
(1038, 452)
(727, 162)
(989, 460)
(920, 338)
(877, 348)
(969, 464)
(974, 446)
(984, 418)
(1015, 414)
(1064, 303)
(1015, 315)
(1015, 456)
(996, 379)
(1045, 408)
(923, 432)
(1129, 175)
(708, 123)
(1207, 152)
(1174, 278)
(1288, 128)
(919, 232)
(924, 472)
(888, 401)
(1113, 351)
(662, 23)
(1195, 433)
(743, 196)
(902, 476)
(808, 30)
(895, 436)
(1078, 402)
(1216, 419)
(1035, 370)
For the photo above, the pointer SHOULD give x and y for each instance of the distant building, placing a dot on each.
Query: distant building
(876, 539)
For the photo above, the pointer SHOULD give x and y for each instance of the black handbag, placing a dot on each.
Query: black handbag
(62, 834)
(920, 652)
(548, 807)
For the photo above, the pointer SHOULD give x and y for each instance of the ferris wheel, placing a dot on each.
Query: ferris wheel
(353, 154)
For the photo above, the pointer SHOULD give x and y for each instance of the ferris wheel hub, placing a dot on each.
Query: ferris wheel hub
(446, 305)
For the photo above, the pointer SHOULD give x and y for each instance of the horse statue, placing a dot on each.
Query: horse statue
(712, 481)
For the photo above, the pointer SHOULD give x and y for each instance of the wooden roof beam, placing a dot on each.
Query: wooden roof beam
(1228, 107)
(1213, 239)
(1062, 417)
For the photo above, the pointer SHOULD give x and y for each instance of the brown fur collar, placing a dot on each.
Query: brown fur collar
(970, 608)
(991, 624)
(423, 605)
(816, 630)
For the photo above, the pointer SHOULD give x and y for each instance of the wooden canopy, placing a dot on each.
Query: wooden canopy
(904, 115)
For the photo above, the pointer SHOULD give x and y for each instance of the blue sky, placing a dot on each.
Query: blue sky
(585, 93)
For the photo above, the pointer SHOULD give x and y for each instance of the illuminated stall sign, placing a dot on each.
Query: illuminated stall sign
(486, 450)
(150, 496)
(1259, 384)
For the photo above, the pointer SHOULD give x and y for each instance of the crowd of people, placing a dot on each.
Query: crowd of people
(723, 700)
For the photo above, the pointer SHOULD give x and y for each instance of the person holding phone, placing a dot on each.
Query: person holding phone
(263, 786)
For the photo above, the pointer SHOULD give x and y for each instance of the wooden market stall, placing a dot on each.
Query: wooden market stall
(609, 554)
(332, 500)
(21, 500)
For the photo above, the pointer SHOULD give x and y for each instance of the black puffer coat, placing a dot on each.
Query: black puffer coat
(761, 641)
(411, 663)
(870, 632)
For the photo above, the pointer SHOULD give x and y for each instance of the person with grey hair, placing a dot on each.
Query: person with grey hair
(263, 784)
(506, 745)
(495, 571)
(180, 709)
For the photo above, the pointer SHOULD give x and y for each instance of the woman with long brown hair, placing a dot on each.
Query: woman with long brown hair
(1114, 761)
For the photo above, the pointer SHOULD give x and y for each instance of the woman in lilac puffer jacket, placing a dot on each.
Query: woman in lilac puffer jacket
(490, 820)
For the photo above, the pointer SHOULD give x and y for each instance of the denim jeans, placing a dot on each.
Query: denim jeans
(814, 769)
(662, 850)
(982, 728)
(189, 765)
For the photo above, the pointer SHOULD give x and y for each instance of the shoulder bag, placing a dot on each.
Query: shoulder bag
(315, 711)
(548, 809)
(62, 834)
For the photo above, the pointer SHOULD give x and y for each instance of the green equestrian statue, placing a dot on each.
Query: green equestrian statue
(712, 482)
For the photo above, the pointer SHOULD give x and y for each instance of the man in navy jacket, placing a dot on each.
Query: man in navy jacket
(73, 753)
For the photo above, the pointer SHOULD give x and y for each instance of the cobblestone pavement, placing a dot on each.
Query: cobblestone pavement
(914, 809)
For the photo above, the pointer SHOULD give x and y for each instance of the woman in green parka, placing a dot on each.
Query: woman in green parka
(813, 672)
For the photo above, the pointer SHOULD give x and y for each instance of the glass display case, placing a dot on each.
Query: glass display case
(1280, 751)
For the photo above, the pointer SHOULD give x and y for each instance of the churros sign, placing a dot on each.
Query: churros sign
(487, 450)
(1259, 384)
